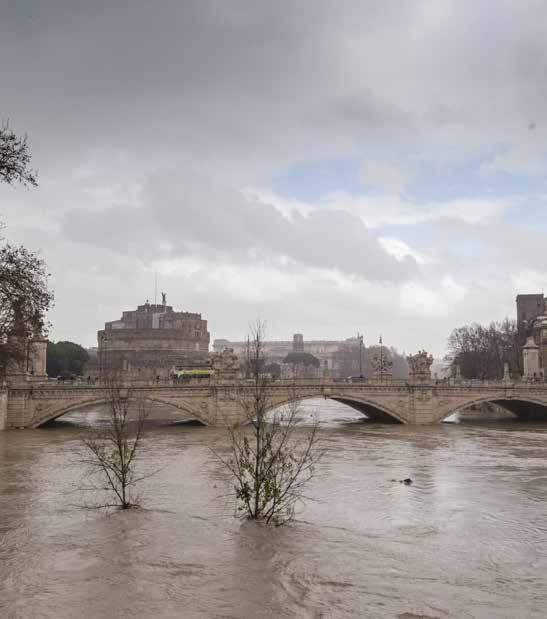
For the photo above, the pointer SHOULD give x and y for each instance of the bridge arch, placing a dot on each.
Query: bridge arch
(523, 407)
(56, 411)
(367, 406)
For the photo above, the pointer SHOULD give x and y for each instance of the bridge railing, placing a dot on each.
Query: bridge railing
(300, 383)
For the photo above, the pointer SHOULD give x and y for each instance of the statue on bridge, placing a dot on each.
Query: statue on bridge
(420, 365)
(225, 363)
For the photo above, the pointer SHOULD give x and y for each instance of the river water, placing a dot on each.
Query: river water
(467, 539)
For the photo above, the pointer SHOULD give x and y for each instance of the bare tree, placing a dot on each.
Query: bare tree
(271, 460)
(113, 450)
(481, 352)
(15, 159)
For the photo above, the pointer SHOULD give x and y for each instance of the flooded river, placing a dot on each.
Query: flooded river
(467, 539)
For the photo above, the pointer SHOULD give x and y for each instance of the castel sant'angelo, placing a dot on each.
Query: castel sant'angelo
(152, 339)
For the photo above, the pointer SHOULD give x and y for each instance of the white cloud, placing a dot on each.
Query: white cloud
(400, 249)
(442, 299)
(529, 280)
(391, 210)
(188, 215)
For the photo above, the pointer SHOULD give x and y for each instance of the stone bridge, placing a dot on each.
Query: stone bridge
(29, 404)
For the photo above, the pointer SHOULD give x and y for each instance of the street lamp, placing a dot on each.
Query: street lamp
(360, 339)
(103, 358)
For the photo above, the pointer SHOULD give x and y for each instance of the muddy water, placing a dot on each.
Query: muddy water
(467, 539)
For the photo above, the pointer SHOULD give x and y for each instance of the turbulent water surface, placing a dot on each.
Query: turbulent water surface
(467, 539)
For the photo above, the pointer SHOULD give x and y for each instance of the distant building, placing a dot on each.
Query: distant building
(331, 353)
(152, 339)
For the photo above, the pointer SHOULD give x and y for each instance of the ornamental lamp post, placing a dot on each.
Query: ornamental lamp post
(360, 339)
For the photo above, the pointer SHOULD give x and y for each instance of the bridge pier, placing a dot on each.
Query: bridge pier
(3, 407)
(421, 403)
(19, 409)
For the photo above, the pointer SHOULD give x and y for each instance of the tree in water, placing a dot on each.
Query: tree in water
(271, 459)
(112, 451)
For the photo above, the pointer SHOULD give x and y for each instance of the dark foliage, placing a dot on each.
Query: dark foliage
(15, 159)
(273, 369)
(65, 358)
(302, 358)
(24, 297)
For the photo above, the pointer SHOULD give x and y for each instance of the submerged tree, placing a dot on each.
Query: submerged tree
(271, 460)
(15, 159)
(113, 449)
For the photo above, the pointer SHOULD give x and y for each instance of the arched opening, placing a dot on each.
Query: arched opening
(92, 414)
(498, 409)
(372, 411)
(528, 411)
(337, 409)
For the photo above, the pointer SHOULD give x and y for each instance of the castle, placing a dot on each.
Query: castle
(152, 339)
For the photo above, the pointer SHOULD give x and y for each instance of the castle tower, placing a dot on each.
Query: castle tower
(298, 342)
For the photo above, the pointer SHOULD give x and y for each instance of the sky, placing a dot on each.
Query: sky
(371, 166)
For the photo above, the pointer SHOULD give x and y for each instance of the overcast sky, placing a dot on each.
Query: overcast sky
(333, 167)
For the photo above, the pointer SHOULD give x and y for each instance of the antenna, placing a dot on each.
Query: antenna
(155, 287)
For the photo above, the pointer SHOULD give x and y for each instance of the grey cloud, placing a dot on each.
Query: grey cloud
(258, 83)
(180, 219)
(239, 91)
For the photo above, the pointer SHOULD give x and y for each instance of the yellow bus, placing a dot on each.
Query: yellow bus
(187, 374)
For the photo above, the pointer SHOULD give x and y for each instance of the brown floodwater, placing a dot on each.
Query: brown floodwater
(467, 539)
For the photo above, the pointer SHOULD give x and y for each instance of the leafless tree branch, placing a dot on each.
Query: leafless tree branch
(272, 459)
(113, 450)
